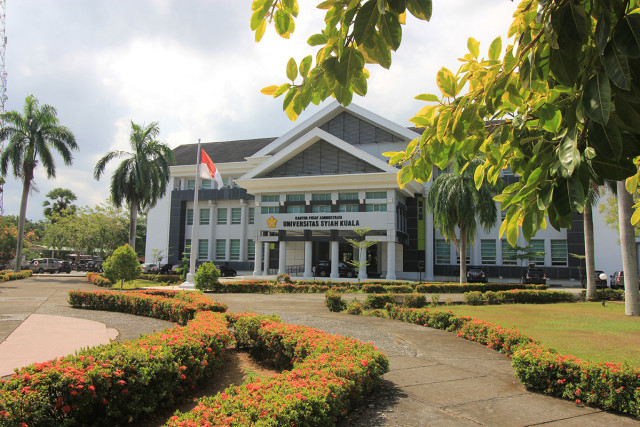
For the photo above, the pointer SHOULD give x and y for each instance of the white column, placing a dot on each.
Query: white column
(282, 258)
(362, 257)
(335, 259)
(243, 230)
(308, 249)
(429, 249)
(391, 261)
(257, 263)
(266, 257)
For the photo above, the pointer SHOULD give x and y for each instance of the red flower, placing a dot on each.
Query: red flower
(66, 409)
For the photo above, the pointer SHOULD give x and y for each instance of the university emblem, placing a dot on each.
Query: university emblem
(271, 222)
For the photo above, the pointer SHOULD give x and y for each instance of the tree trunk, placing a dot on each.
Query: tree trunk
(21, 220)
(133, 220)
(463, 255)
(629, 255)
(587, 221)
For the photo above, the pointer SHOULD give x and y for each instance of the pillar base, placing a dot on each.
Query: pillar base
(190, 283)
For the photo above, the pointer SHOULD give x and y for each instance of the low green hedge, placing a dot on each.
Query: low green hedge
(607, 294)
(518, 296)
(118, 383)
(329, 375)
(98, 280)
(460, 288)
(162, 278)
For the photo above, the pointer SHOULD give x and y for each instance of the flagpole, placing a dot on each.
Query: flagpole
(190, 282)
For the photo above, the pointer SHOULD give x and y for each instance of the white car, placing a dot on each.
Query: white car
(148, 267)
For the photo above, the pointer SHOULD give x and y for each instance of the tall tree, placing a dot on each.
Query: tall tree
(141, 179)
(629, 252)
(455, 203)
(31, 137)
(60, 202)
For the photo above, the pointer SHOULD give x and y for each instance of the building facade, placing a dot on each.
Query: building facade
(290, 202)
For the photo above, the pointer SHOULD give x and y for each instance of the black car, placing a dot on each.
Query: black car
(476, 275)
(534, 276)
(164, 269)
(600, 283)
(65, 267)
(94, 266)
(323, 269)
(226, 271)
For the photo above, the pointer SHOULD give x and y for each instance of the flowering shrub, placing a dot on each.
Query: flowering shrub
(334, 301)
(175, 306)
(7, 275)
(98, 280)
(414, 301)
(116, 383)
(329, 375)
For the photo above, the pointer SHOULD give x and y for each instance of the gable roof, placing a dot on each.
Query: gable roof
(221, 152)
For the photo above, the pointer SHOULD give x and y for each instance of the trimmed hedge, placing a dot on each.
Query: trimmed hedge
(117, 383)
(98, 280)
(518, 296)
(162, 278)
(7, 275)
(329, 376)
(460, 288)
(607, 294)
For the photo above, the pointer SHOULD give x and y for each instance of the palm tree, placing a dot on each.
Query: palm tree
(455, 202)
(31, 136)
(141, 179)
(629, 256)
(60, 202)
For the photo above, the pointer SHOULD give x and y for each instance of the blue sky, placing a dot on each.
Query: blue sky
(193, 66)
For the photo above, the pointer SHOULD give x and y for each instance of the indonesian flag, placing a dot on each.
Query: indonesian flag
(208, 170)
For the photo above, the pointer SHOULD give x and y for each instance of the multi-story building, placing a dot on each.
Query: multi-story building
(289, 202)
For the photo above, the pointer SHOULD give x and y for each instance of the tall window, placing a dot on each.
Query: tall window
(321, 196)
(270, 198)
(377, 208)
(189, 216)
(468, 256)
(348, 208)
(537, 246)
(376, 194)
(191, 184)
(205, 184)
(488, 251)
(558, 252)
(221, 249)
(295, 209)
(252, 215)
(348, 196)
(270, 209)
(187, 248)
(234, 249)
(222, 216)
(251, 250)
(320, 208)
(204, 216)
(298, 197)
(508, 254)
(203, 249)
(236, 215)
(443, 252)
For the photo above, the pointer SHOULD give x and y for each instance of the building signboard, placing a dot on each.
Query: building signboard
(326, 221)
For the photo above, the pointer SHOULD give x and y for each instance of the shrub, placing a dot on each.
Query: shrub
(122, 265)
(283, 278)
(373, 301)
(414, 301)
(354, 307)
(373, 289)
(607, 294)
(206, 277)
(473, 298)
(334, 301)
(98, 280)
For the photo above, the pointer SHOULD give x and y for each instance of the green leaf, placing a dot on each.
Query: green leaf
(365, 23)
(627, 115)
(568, 151)
(292, 69)
(382, 6)
(359, 84)
(572, 26)
(603, 27)
(317, 40)
(288, 98)
(349, 65)
(397, 6)
(446, 82)
(378, 51)
(421, 9)
(391, 30)
(282, 22)
(606, 140)
(513, 230)
(614, 170)
(495, 48)
(565, 68)
(405, 175)
(616, 66)
(550, 118)
(596, 98)
(545, 195)
(474, 47)
(305, 66)
(343, 94)
(427, 97)
(626, 35)
(478, 176)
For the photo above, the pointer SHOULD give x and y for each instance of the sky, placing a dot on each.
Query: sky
(193, 66)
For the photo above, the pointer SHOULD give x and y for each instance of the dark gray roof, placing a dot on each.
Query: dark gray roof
(221, 152)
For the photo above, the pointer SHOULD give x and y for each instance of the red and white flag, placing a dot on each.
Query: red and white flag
(208, 169)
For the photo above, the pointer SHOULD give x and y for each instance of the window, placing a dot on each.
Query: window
(204, 216)
(189, 216)
(234, 249)
(295, 197)
(191, 184)
(348, 208)
(203, 249)
(320, 208)
(270, 198)
(443, 252)
(376, 194)
(321, 196)
(221, 249)
(537, 247)
(251, 250)
(222, 215)
(270, 209)
(205, 184)
(187, 248)
(236, 215)
(468, 256)
(509, 254)
(488, 251)
(295, 209)
(558, 252)
(377, 208)
(252, 215)
(348, 196)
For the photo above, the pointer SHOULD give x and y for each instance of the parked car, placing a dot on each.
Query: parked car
(82, 265)
(534, 276)
(226, 271)
(617, 280)
(323, 269)
(164, 269)
(94, 266)
(600, 283)
(148, 268)
(41, 265)
(174, 269)
(476, 275)
(65, 267)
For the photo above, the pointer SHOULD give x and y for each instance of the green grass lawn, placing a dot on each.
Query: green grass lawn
(586, 330)
(138, 283)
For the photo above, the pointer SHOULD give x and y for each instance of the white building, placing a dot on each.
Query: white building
(289, 202)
